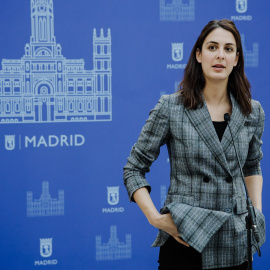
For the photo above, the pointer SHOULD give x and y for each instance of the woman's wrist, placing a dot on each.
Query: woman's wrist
(154, 218)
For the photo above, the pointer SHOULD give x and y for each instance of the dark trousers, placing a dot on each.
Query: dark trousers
(175, 256)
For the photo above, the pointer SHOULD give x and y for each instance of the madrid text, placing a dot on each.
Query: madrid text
(241, 18)
(176, 66)
(113, 210)
(53, 141)
(45, 262)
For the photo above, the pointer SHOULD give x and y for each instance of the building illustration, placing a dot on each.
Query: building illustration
(251, 57)
(44, 86)
(176, 10)
(113, 250)
(45, 205)
(176, 84)
(163, 195)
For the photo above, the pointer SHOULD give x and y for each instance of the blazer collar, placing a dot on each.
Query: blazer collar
(201, 120)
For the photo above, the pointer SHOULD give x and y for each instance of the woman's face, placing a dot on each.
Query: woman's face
(218, 55)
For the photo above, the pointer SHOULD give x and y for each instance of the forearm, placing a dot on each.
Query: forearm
(142, 198)
(254, 185)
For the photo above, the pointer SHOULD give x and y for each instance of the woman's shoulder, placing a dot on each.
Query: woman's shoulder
(255, 103)
(257, 107)
(172, 99)
(257, 113)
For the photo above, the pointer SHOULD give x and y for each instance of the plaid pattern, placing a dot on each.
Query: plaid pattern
(206, 196)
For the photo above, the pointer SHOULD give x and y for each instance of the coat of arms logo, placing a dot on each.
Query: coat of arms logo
(241, 6)
(45, 247)
(113, 195)
(9, 142)
(177, 51)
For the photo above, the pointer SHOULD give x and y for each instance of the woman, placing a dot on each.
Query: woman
(202, 223)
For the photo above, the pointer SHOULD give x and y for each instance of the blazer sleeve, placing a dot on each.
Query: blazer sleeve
(145, 151)
(252, 164)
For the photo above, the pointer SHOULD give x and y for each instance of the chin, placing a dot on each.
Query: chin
(217, 79)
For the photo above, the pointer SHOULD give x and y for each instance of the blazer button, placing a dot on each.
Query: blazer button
(228, 210)
(206, 179)
(229, 179)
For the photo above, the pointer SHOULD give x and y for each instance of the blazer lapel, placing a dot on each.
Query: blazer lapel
(201, 120)
(236, 123)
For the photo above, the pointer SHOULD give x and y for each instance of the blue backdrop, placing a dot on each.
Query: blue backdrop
(77, 81)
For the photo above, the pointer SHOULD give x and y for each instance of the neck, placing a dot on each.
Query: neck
(217, 100)
(216, 93)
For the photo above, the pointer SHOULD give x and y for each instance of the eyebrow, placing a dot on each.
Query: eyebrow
(218, 43)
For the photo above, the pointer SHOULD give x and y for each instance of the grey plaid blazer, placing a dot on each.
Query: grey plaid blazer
(206, 197)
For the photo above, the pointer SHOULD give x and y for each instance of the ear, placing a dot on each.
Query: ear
(236, 59)
(198, 55)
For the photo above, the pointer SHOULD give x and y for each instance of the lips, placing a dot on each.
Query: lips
(218, 66)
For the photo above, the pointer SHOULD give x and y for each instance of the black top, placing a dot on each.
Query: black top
(220, 128)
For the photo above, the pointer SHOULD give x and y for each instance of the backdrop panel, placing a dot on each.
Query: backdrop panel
(77, 81)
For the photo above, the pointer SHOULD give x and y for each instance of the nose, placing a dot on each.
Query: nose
(220, 54)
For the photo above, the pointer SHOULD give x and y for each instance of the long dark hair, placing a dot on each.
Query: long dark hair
(193, 81)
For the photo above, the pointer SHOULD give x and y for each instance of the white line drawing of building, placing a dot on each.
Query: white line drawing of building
(176, 10)
(163, 194)
(251, 57)
(113, 250)
(45, 205)
(176, 84)
(43, 86)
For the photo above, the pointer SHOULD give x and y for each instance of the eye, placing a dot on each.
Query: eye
(229, 49)
(212, 47)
